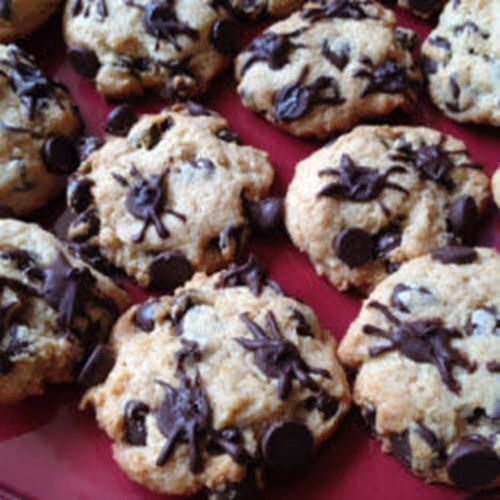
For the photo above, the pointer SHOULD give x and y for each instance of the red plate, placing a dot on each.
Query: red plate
(50, 450)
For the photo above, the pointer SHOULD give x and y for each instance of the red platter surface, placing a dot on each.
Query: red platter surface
(50, 450)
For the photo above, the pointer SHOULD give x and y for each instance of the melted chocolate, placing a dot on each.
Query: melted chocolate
(278, 358)
(387, 77)
(135, 422)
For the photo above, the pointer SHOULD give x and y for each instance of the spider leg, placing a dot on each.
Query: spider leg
(272, 324)
(284, 384)
(256, 330)
(195, 464)
(168, 447)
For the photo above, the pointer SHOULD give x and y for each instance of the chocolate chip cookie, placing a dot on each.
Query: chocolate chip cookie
(174, 47)
(495, 184)
(427, 348)
(174, 196)
(260, 9)
(461, 60)
(217, 384)
(38, 123)
(380, 196)
(331, 65)
(21, 17)
(53, 311)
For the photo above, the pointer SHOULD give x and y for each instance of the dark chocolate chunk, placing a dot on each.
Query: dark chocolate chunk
(387, 77)
(425, 6)
(454, 255)
(473, 463)
(423, 341)
(120, 120)
(189, 349)
(354, 247)
(87, 145)
(84, 60)
(429, 65)
(135, 422)
(493, 366)
(265, 215)
(184, 415)
(277, 357)
(97, 366)
(303, 327)
(431, 439)
(60, 155)
(400, 288)
(401, 448)
(168, 271)
(228, 135)
(387, 240)
(339, 58)
(225, 37)
(292, 102)
(197, 109)
(463, 217)
(286, 445)
(359, 183)
(80, 194)
(324, 403)
(144, 316)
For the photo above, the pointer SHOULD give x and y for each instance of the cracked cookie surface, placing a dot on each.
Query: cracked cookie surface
(170, 198)
(461, 59)
(220, 382)
(53, 310)
(328, 67)
(38, 124)
(426, 345)
(382, 195)
(174, 47)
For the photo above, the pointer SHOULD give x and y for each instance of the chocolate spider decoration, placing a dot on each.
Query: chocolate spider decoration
(423, 341)
(359, 183)
(342, 9)
(82, 7)
(26, 80)
(387, 77)
(146, 201)
(185, 416)
(161, 21)
(431, 161)
(273, 48)
(277, 357)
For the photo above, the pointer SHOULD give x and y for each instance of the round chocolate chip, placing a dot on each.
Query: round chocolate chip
(97, 367)
(354, 247)
(79, 194)
(144, 316)
(120, 120)
(473, 463)
(60, 155)
(168, 271)
(463, 218)
(287, 444)
(135, 422)
(84, 60)
(225, 37)
(265, 215)
(291, 103)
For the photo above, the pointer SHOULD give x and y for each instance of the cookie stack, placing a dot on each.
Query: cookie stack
(221, 380)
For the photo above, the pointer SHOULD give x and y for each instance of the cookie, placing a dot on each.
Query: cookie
(495, 184)
(217, 384)
(53, 311)
(260, 9)
(174, 47)
(328, 67)
(173, 197)
(382, 195)
(426, 345)
(21, 17)
(460, 58)
(421, 8)
(38, 123)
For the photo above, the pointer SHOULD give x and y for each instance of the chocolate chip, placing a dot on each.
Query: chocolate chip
(339, 57)
(84, 60)
(473, 463)
(87, 145)
(144, 316)
(454, 255)
(324, 403)
(291, 102)
(60, 155)
(401, 448)
(354, 247)
(225, 37)
(463, 217)
(168, 271)
(120, 120)
(228, 135)
(97, 367)
(429, 65)
(425, 6)
(197, 109)
(135, 422)
(265, 215)
(80, 194)
(287, 445)
(387, 241)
